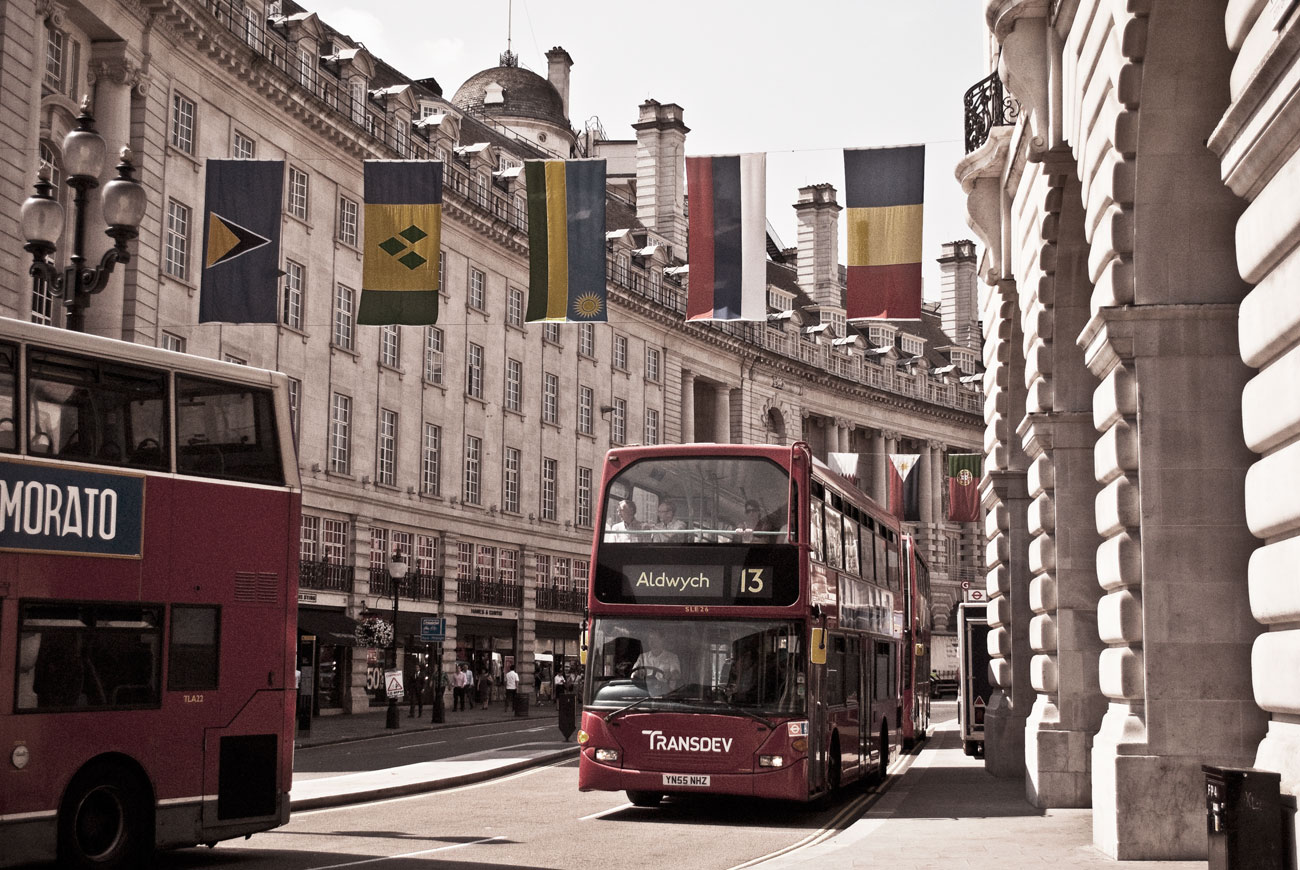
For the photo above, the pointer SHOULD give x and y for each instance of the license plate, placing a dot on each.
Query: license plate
(686, 780)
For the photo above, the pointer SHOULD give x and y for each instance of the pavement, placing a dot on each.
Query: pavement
(941, 809)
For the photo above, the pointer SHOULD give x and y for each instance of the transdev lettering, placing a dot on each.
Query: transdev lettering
(60, 511)
(661, 742)
(648, 579)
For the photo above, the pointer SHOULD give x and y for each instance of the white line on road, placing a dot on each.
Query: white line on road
(414, 745)
(406, 854)
(605, 812)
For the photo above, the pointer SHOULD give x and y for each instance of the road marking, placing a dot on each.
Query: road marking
(406, 854)
(414, 745)
(605, 812)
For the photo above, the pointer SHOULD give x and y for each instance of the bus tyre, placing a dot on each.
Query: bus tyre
(104, 821)
(645, 798)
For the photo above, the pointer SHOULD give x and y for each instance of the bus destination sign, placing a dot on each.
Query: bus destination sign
(62, 510)
(717, 576)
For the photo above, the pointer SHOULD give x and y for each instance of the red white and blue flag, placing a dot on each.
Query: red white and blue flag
(727, 243)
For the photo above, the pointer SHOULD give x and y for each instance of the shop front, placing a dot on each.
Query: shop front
(487, 644)
(325, 648)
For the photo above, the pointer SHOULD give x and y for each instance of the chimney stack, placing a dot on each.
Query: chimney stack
(960, 294)
(819, 244)
(558, 64)
(661, 171)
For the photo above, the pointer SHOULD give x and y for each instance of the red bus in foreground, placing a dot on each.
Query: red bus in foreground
(149, 510)
(747, 617)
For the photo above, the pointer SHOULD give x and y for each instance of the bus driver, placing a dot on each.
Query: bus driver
(658, 666)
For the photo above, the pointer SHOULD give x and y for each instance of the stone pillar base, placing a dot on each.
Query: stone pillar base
(1057, 771)
(1280, 751)
(1004, 739)
(1147, 807)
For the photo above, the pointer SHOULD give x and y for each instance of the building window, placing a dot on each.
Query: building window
(652, 364)
(582, 516)
(581, 572)
(551, 333)
(357, 95)
(618, 423)
(309, 538)
(515, 306)
(563, 577)
(651, 426)
(433, 355)
(390, 346)
(464, 560)
(431, 460)
(514, 384)
(472, 493)
(477, 289)
(344, 316)
(243, 147)
(182, 137)
(587, 339)
(54, 50)
(348, 211)
(474, 371)
(297, 193)
(509, 566)
(620, 353)
(620, 270)
(173, 342)
(586, 402)
(543, 570)
(486, 566)
(386, 449)
(549, 471)
(176, 257)
(426, 554)
(341, 434)
(510, 482)
(42, 302)
(231, 358)
(912, 345)
(550, 398)
(442, 271)
(291, 316)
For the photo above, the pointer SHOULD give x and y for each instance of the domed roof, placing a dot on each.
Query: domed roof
(522, 94)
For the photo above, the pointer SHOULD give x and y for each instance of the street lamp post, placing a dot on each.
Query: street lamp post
(124, 203)
(396, 573)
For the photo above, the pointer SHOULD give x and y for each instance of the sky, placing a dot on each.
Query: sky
(800, 81)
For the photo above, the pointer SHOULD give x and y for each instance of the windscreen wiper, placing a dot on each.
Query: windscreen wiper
(752, 715)
(621, 710)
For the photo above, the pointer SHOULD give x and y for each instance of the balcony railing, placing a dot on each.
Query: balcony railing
(420, 586)
(560, 598)
(484, 590)
(987, 106)
(324, 576)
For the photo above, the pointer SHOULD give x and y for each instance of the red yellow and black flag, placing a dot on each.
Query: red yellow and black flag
(884, 194)
(403, 238)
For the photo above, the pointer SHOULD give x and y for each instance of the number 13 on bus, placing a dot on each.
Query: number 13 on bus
(758, 626)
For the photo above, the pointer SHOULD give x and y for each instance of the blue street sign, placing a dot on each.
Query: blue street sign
(433, 629)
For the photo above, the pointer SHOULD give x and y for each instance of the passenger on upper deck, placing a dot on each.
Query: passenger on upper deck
(668, 521)
(627, 522)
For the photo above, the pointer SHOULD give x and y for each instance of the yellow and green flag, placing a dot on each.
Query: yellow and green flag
(566, 240)
(403, 235)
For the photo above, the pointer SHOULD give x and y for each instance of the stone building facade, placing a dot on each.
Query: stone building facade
(473, 446)
(1132, 169)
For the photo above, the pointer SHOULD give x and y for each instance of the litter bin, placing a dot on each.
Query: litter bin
(521, 704)
(567, 705)
(1243, 818)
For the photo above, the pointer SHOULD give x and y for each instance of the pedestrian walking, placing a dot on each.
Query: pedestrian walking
(458, 683)
(512, 687)
(415, 697)
(485, 688)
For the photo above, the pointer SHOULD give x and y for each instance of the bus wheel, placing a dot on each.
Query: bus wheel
(645, 798)
(104, 821)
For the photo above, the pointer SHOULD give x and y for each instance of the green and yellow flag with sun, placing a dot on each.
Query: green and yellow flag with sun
(403, 235)
(566, 239)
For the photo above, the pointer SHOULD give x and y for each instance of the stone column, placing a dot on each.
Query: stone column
(722, 413)
(925, 485)
(688, 406)
(879, 466)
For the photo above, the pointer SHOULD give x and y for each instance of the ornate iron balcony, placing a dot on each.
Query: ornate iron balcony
(987, 106)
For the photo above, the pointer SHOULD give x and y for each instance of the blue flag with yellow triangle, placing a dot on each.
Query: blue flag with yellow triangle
(241, 241)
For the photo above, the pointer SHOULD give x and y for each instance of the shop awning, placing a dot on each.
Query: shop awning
(329, 626)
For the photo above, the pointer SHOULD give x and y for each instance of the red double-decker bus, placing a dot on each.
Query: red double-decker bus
(149, 509)
(747, 617)
(916, 651)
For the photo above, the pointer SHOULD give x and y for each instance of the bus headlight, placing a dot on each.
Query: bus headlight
(771, 761)
(609, 756)
(19, 756)
(583, 737)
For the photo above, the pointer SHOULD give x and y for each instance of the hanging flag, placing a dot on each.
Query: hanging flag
(241, 241)
(403, 240)
(846, 466)
(566, 239)
(727, 237)
(904, 487)
(884, 192)
(964, 470)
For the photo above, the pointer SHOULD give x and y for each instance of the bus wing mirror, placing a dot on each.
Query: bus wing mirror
(817, 654)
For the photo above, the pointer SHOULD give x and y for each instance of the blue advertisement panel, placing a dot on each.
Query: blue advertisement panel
(65, 510)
